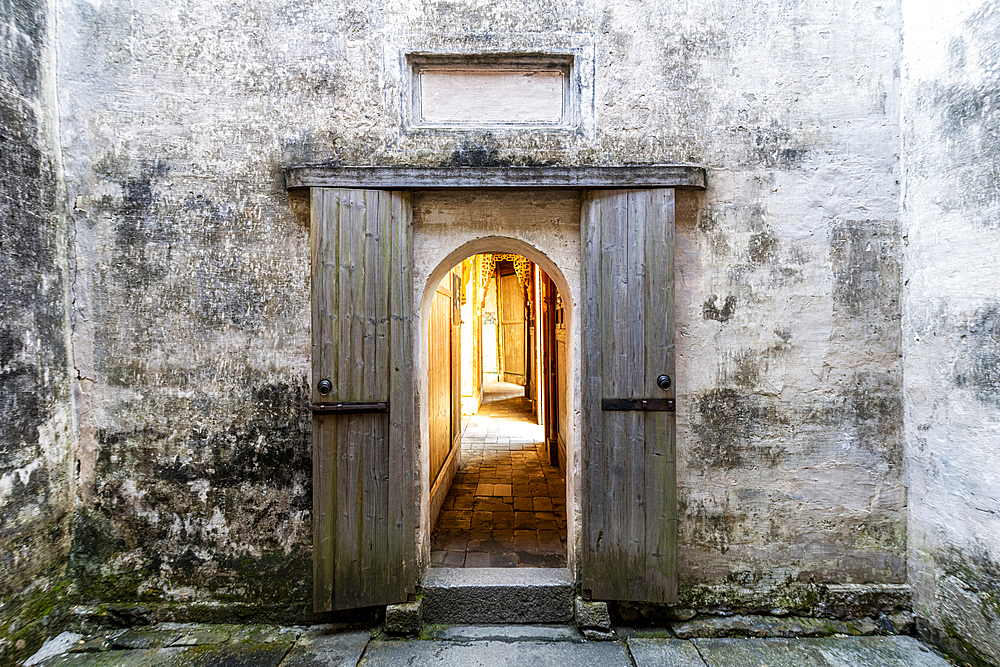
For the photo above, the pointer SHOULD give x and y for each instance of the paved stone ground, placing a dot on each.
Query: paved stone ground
(507, 506)
(184, 645)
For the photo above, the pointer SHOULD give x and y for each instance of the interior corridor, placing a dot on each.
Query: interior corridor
(507, 504)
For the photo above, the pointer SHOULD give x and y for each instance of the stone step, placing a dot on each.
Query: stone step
(481, 595)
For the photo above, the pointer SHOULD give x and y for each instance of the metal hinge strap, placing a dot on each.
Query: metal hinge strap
(640, 404)
(349, 407)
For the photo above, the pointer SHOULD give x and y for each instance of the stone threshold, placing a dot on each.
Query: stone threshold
(474, 595)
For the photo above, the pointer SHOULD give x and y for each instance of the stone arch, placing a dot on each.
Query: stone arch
(453, 255)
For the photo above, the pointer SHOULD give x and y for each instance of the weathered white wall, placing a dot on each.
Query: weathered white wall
(951, 325)
(192, 324)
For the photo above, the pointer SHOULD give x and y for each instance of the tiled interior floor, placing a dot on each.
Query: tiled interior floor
(507, 505)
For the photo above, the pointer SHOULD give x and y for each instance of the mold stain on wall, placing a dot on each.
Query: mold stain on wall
(36, 427)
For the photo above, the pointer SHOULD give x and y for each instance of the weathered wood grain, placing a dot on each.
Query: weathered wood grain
(348, 582)
(455, 342)
(401, 554)
(661, 509)
(439, 378)
(594, 466)
(406, 178)
(635, 543)
(362, 528)
(630, 517)
(324, 436)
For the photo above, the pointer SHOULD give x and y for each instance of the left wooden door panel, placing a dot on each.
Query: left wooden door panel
(363, 520)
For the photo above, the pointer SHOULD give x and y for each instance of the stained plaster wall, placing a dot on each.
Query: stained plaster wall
(951, 325)
(192, 320)
(35, 419)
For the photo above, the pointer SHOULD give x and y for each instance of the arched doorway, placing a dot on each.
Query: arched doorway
(497, 415)
(543, 227)
(519, 429)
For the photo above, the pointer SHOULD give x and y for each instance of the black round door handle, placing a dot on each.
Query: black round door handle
(663, 382)
(324, 387)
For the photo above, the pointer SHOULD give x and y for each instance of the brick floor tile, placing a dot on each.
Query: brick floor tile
(477, 559)
(454, 559)
(503, 559)
(522, 504)
(542, 504)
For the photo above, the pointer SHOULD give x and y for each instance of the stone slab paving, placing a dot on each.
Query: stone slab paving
(507, 651)
(322, 646)
(506, 506)
(514, 645)
(195, 645)
(209, 655)
(892, 651)
(664, 652)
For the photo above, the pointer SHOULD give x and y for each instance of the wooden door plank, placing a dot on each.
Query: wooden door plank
(324, 442)
(594, 459)
(379, 303)
(661, 517)
(439, 379)
(635, 539)
(347, 580)
(401, 554)
(616, 338)
(373, 537)
(455, 365)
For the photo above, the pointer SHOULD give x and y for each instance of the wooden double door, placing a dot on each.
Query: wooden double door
(363, 398)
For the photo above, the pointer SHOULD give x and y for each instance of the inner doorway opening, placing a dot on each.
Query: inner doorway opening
(497, 416)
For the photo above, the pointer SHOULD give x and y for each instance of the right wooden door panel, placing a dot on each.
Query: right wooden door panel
(630, 514)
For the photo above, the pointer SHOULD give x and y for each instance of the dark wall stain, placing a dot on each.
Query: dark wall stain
(978, 366)
(34, 365)
(875, 406)
(486, 153)
(770, 146)
(742, 369)
(966, 111)
(866, 269)
(732, 429)
(256, 472)
(869, 408)
(143, 235)
(710, 311)
(762, 247)
(138, 224)
(192, 260)
(714, 527)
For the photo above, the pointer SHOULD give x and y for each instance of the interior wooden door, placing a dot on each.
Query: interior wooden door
(456, 360)
(439, 378)
(630, 510)
(512, 329)
(547, 313)
(363, 401)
